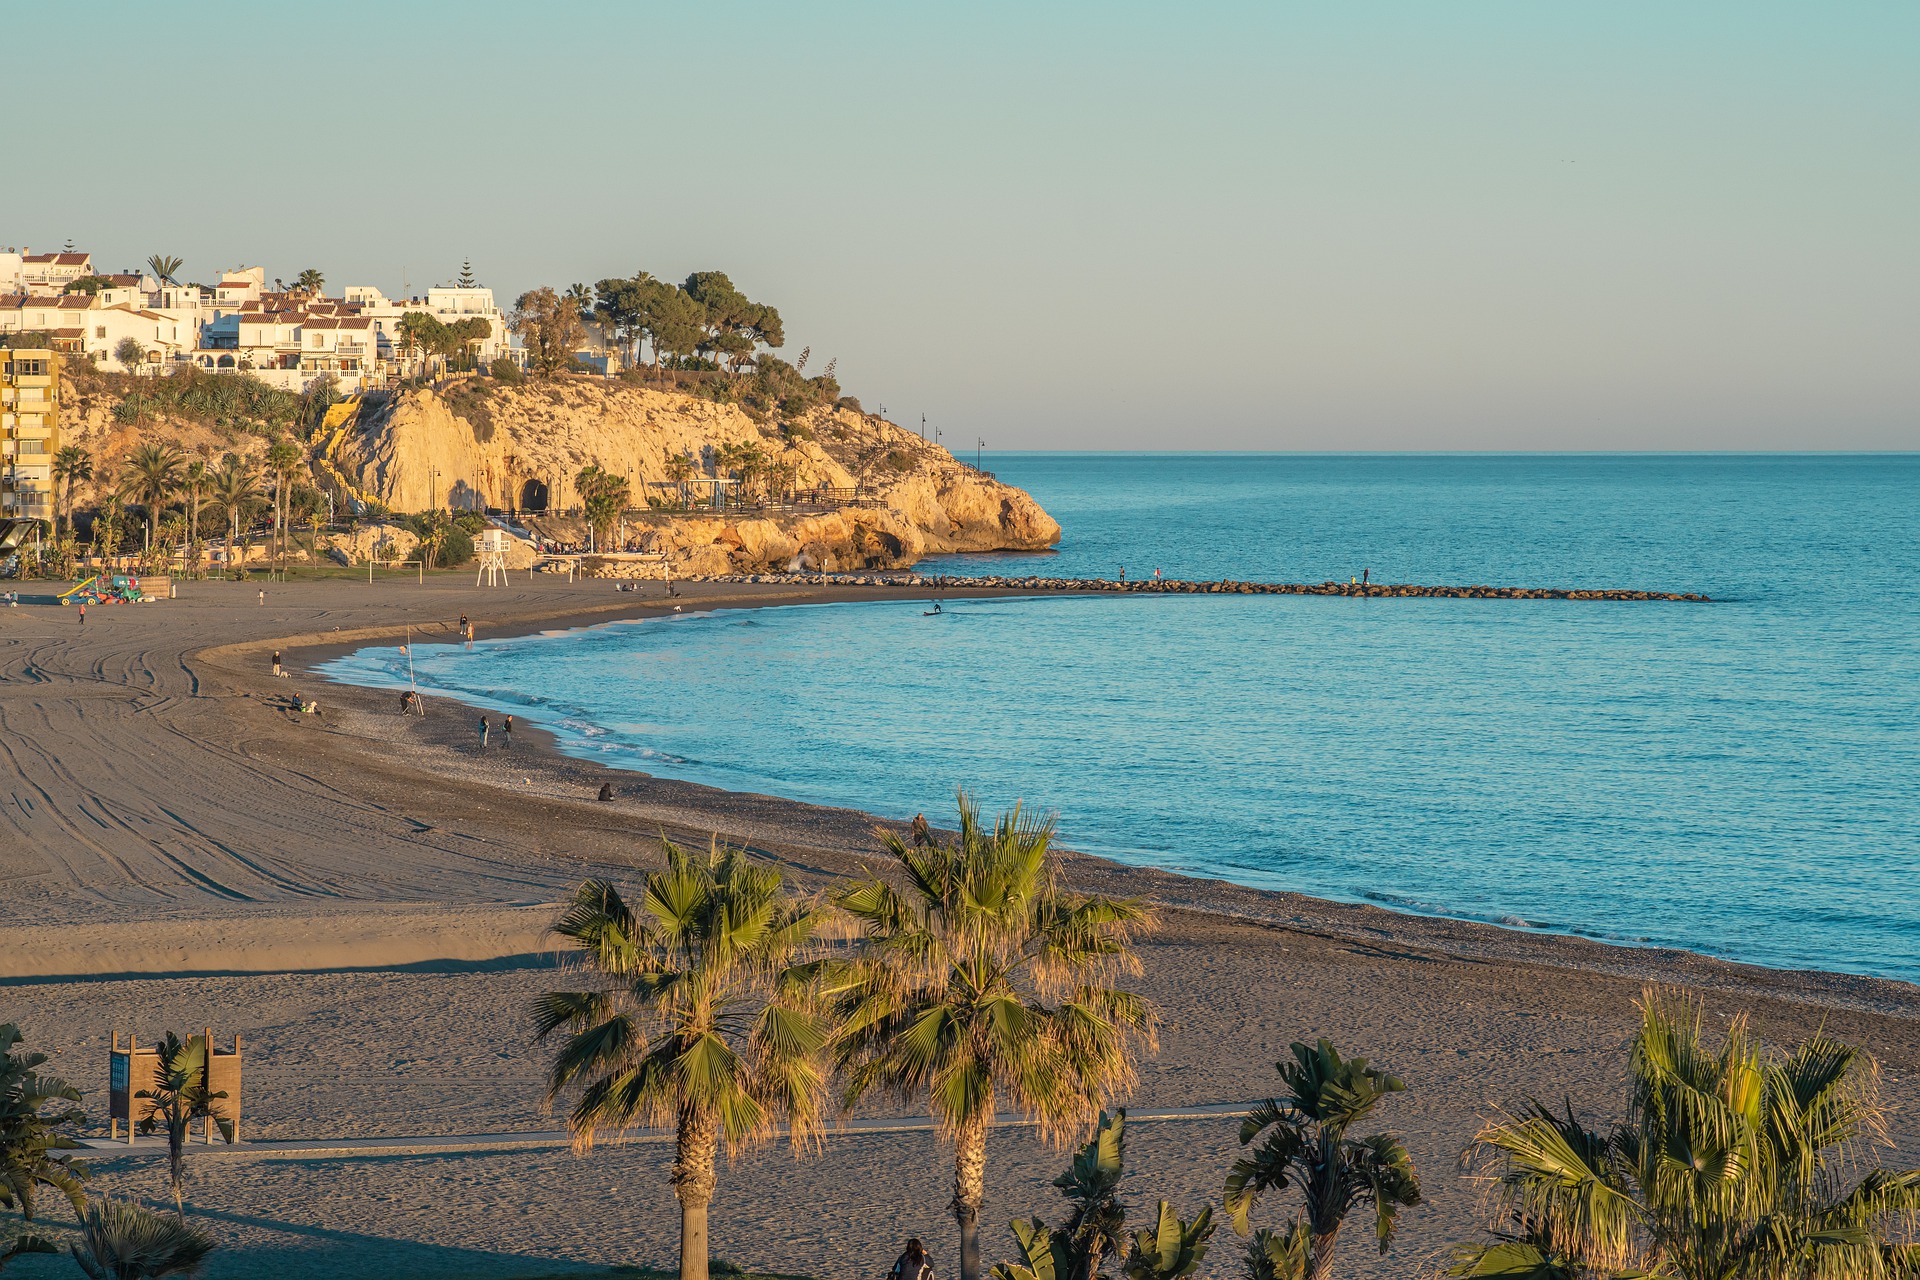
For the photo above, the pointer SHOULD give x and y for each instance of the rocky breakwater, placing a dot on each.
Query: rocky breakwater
(871, 495)
(1170, 586)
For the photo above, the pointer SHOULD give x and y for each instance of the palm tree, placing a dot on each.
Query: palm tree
(106, 526)
(194, 480)
(283, 460)
(71, 464)
(165, 267)
(680, 470)
(179, 1096)
(232, 491)
(120, 1240)
(151, 477)
(30, 1134)
(982, 982)
(310, 281)
(1308, 1147)
(706, 1018)
(1732, 1164)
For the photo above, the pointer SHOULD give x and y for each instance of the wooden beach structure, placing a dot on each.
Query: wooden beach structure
(132, 1069)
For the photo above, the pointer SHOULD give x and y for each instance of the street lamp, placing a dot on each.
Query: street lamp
(979, 447)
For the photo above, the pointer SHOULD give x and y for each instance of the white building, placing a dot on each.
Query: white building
(54, 271)
(448, 304)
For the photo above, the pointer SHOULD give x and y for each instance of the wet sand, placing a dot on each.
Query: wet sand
(362, 896)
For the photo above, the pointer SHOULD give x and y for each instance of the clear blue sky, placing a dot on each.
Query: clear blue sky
(1499, 224)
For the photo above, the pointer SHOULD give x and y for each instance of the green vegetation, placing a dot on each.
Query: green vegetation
(129, 352)
(165, 267)
(120, 1240)
(33, 1131)
(707, 1019)
(982, 983)
(230, 400)
(549, 327)
(1734, 1163)
(178, 1097)
(425, 334)
(603, 496)
(1096, 1228)
(1308, 1147)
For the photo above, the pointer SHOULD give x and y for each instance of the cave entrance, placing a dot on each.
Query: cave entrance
(533, 496)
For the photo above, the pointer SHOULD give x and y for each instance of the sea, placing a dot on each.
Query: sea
(1739, 778)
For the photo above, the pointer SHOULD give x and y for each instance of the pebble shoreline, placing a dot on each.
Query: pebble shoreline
(1390, 590)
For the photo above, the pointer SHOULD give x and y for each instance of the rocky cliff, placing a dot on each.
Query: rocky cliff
(483, 443)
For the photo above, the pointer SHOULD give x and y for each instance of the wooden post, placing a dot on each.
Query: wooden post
(235, 1110)
(132, 1044)
(206, 1038)
(113, 1121)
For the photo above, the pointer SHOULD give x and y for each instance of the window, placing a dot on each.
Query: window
(99, 331)
(30, 368)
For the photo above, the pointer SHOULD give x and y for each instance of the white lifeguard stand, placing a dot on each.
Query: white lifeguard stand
(493, 557)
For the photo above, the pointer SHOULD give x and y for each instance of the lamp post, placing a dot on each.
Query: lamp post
(979, 448)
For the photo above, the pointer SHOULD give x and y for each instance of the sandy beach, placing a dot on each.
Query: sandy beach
(363, 897)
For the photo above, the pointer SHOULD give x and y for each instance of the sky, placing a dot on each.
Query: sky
(1497, 224)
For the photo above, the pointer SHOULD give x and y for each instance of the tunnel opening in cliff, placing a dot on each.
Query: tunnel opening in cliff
(533, 496)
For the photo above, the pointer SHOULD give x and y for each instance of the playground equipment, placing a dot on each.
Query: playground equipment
(132, 1069)
(117, 588)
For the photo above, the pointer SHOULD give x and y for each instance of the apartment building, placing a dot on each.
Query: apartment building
(29, 432)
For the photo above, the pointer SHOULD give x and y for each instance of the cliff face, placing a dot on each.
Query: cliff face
(520, 447)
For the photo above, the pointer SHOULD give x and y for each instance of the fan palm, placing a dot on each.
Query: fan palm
(71, 464)
(1732, 1164)
(151, 476)
(981, 981)
(231, 491)
(1307, 1146)
(120, 1240)
(707, 1018)
(30, 1134)
(165, 266)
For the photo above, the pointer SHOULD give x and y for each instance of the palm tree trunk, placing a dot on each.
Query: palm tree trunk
(693, 1182)
(1320, 1256)
(970, 1191)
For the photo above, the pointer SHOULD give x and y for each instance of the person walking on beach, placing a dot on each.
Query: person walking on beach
(276, 664)
(483, 733)
(463, 626)
(506, 733)
(913, 1264)
(263, 595)
(83, 613)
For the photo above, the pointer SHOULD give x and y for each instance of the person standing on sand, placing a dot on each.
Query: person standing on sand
(506, 733)
(276, 664)
(263, 595)
(483, 733)
(913, 1264)
(83, 613)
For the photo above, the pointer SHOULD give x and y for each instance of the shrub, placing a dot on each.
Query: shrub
(506, 371)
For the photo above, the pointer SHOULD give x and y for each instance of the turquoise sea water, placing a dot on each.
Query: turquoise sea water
(1740, 779)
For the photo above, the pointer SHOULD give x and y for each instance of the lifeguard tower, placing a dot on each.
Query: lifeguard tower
(132, 1069)
(493, 557)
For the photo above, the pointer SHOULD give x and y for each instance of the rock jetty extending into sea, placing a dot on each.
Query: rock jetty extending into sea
(1172, 586)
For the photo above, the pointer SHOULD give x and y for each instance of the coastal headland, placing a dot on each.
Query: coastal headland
(363, 897)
